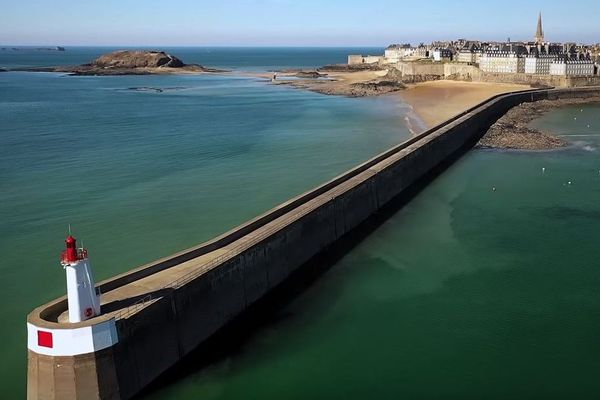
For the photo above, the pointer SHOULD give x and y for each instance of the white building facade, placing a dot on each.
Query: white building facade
(466, 56)
(572, 68)
(442, 55)
(396, 54)
(539, 65)
(502, 63)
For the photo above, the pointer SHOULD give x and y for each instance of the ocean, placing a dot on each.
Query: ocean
(466, 292)
(140, 173)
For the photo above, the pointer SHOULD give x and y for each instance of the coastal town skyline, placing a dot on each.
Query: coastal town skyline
(286, 23)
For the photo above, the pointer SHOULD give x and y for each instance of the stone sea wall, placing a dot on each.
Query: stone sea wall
(413, 72)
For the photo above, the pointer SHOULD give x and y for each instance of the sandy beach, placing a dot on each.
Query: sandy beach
(436, 101)
(432, 101)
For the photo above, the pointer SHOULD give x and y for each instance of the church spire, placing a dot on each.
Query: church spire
(539, 34)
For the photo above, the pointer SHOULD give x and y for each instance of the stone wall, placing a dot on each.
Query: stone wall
(413, 72)
(355, 59)
(525, 79)
(420, 68)
(462, 72)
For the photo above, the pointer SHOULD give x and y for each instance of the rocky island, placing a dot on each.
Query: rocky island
(131, 62)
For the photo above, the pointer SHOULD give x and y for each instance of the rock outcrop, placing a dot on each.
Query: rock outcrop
(137, 59)
(130, 62)
(309, 74)
(512, 131)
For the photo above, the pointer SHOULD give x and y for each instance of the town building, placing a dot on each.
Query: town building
(536, 56)
(442, 55)
(502, 62)
(421, 51)
(539, 64)
(466, 56)
(397, 52)
(572, 68)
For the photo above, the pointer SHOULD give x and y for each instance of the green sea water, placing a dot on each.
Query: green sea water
(144, 166)
(465, 293)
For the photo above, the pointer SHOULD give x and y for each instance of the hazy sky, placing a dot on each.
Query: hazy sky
(289, 22)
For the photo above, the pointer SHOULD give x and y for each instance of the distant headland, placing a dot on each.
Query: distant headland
(131, 62)
(53, 48)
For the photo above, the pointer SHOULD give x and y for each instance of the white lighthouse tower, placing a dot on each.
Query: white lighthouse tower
(83, 301)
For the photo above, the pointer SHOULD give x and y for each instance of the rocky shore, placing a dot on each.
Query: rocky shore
(342, 81)
(512, 130)
(127, 62)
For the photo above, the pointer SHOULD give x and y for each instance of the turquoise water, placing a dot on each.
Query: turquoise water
(234, 58)
(466, 293)
(141, 174)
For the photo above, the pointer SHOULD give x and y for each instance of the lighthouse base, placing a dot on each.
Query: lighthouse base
(86, 376)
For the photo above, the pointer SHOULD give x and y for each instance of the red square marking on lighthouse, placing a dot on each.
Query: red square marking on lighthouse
(45, 339)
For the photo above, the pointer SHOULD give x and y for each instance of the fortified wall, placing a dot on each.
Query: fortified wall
(462, 72)
(547, 80)
(133, 347)
(413, 72)
(423, 71)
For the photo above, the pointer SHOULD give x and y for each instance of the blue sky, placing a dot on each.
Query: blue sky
(289, 22)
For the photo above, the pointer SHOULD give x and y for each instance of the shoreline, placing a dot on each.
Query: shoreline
(337, 82)
(429, 103)
(96, 71)
(413, 122)
(512, 130)
(433, 102)
(437, 101)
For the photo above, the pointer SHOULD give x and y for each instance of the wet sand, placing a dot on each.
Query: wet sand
(437, 101)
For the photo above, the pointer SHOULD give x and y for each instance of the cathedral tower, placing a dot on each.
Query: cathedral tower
(539, 34)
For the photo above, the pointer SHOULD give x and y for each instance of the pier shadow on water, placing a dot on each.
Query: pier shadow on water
(230, 340)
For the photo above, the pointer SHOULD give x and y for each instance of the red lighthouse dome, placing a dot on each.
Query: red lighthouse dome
(71, 253)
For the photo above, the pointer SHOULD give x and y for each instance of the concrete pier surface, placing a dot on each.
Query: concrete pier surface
(154, 315)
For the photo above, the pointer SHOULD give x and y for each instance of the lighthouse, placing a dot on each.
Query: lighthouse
(83, 301)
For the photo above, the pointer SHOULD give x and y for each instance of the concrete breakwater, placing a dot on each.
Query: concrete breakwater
(164, 310)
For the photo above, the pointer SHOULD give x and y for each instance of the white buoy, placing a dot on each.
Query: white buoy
(494, 189)
(569, 183)
(543, 170)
